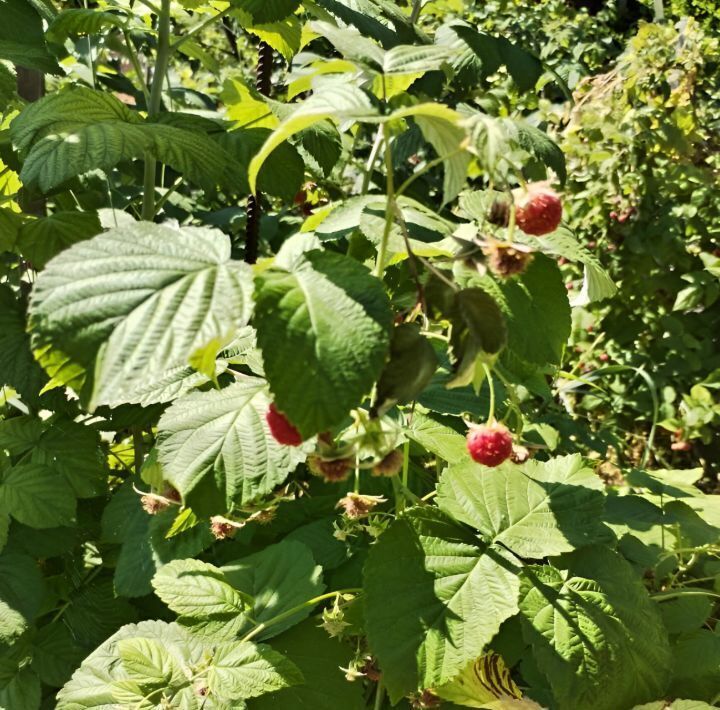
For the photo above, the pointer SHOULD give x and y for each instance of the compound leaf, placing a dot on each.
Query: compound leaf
(537, 509)
(323, 328)
(217, 450)
(136, 301)
(459, 588)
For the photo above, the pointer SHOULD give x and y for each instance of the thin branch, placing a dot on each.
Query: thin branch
(198, 28)
(291, 612)
(416, 9)
(135, 61)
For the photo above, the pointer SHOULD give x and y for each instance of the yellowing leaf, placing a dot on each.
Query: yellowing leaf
(246, 106)
(484, 680)
(283, 36)
(394, 84)
(331, 66)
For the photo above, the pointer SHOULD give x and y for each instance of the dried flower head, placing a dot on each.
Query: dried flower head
(425, 700)
(506, 260)
(370, 669)
(520, 454)
(153, 504)
(390, 465)
(172, 494)
(357, 505)
(499, 212)
(222, 528)
(332, 470)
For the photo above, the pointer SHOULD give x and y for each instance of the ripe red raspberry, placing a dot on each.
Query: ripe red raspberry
(538, 210)
(282, 430)
(489, 444)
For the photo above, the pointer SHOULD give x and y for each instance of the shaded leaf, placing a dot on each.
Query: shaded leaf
(536, 509)
(21, 594)
(478, 332)
(410, 368)
(26, 48)
(595, 632)
(320, 660)
(82, 21)
(696, 665)
(460, 591)
(216, 448)
(37, 496)
(278, 578)
(264, 11)
(323, 328)
(42, 239)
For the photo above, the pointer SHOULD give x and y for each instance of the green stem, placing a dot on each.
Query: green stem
(656, 411)
(426, 168)
(511, 220)
(135, 61)
(400, 485)
(138, 452)
(155, 104)
(406, 463)
(377, 144)
(514, 400)
(662, 526)
(166, 195)
(684, 592)
(696, 580)
(198, 28)
(291, 612)
(379, 696)
(91, 61)
(389, 207)
(416, 9)
(488, 375)
(148, 207)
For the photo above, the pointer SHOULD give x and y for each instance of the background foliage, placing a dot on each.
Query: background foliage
(212, 207)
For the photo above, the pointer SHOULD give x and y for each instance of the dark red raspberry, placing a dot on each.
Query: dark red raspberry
(490, 444)
(282, 430)
(538, 210)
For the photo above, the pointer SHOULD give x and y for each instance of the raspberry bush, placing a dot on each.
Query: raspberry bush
(286, 416)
